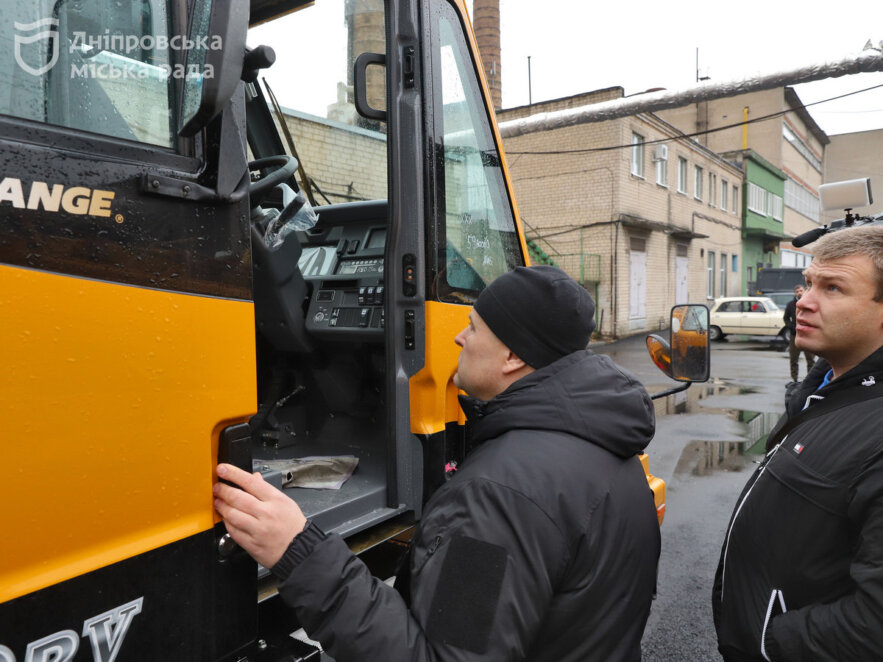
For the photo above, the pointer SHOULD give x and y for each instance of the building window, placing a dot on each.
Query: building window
(795, 259)
(735, 264)
(801, 200)
(725, 188)
(801, 147)
(757, 199)
(660, 155)
(735, 199)
(711, 274)
(697, 182)
(723, 274)
(682, 174)
(637, 155)
(712, 189)
(774, 206)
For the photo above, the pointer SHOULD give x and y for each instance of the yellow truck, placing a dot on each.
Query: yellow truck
(178, 287)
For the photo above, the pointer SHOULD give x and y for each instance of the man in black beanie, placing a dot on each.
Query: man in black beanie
(542, 547)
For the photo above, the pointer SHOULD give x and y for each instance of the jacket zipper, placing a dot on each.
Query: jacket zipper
(763, 467)
(766, 621)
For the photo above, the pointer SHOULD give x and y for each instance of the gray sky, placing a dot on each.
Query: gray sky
(581, 46)
(577, 46)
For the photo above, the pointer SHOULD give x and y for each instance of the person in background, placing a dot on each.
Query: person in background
(800, 577)
(543, 545)
(790, 320)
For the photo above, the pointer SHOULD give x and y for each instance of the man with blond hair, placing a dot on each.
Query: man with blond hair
(801, 570)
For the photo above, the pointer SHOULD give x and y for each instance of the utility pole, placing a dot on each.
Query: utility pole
(698, 79)
(529, 93)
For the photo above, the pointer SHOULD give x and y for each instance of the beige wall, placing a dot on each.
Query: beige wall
(582, 202)
(764, 137)
(348, 163)
(799, 169)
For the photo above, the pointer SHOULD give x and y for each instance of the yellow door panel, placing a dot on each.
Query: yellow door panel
(113, 398)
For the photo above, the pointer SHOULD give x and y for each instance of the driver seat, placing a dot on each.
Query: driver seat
(280, 292)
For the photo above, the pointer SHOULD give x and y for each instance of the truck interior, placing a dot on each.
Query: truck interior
(322, 293)
(321, 358)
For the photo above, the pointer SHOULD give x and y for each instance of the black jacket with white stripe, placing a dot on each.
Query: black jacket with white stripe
(541, 548)
(801, 570)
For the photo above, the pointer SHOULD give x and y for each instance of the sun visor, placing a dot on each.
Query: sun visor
(262, 11)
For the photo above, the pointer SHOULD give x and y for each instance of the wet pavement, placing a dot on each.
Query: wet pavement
(707, 441)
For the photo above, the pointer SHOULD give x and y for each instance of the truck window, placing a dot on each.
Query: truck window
(480, 241)
(343, 154)
(102, 66)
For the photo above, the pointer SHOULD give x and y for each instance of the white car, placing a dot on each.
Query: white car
(748, 316)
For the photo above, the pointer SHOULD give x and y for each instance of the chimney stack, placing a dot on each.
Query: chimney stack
(486, 21)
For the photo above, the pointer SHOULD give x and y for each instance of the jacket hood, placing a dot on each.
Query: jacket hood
(583, 394)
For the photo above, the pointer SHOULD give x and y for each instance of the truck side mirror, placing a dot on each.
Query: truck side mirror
(685, 357)
(215, 52)
(690, 350)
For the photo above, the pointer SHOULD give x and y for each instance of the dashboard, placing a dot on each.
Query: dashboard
(342, 260)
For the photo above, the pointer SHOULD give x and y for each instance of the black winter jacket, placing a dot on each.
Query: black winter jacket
(790, 316)
(543, 546)
(801, 570)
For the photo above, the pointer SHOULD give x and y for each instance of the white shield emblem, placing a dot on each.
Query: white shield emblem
(51, 34)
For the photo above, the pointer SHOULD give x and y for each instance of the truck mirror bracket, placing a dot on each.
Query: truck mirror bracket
(183, 189)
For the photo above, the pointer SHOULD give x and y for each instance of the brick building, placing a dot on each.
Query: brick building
(346, 162)
(775, 125)
(640, 214)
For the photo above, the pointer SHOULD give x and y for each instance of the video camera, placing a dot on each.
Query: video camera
(846, 195)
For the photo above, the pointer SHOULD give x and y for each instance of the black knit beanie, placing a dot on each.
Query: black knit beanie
(540, 313)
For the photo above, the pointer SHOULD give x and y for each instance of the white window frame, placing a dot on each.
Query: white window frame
(775, 205)
(757, 199)
(682, 175)
(723, 274)
(698, 175)
(637, 155)
(711, 274)
(735, 199)
(725, 188)
(802, 200)
(803, 149)
(712, 189)
(662, 171)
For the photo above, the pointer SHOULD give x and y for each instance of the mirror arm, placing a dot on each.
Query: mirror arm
(683, 386)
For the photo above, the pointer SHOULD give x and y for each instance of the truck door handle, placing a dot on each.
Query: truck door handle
(360, 85)
(234, 447)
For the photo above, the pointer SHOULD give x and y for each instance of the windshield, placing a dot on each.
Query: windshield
(343, 154)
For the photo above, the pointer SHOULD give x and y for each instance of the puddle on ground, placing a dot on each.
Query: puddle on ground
(701, 458)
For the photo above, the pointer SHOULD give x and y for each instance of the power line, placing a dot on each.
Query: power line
(691, 135)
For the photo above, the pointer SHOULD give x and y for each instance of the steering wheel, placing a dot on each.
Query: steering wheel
(286, 167)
